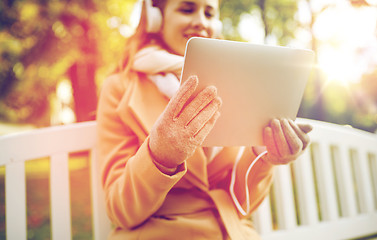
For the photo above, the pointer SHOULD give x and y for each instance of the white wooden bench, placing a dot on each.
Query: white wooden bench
(335, 189)
(55, 143)
(329, 193)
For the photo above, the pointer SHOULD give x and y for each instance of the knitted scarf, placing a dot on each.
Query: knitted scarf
(161, 67)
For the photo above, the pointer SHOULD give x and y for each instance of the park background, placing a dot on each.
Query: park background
(55, 54)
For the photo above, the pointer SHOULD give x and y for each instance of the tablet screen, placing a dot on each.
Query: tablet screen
(255, 82)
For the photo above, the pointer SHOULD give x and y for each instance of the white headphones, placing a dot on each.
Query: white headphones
(154, 19)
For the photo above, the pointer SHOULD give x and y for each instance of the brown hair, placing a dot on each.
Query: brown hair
(140, 38)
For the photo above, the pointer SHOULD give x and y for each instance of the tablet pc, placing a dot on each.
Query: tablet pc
(255, 82)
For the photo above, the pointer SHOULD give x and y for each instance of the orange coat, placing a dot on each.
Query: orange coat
(144, 203)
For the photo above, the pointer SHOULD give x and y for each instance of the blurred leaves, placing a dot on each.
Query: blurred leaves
(45, 42)
(41, 40)
(278, 17)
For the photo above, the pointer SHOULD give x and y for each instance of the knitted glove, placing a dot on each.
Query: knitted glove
(184, 124)
(285, 141)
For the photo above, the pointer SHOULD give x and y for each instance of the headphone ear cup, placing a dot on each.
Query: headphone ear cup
(154, 17)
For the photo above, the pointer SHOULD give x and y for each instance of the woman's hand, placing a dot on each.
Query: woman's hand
(183, 126)
(285, 141)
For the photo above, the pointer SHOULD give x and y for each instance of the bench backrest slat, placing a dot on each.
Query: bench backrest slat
(325, 181)
(15, 200)
(373, 170)
(263, 217)
(304, 182)
(285, 209)
(60, 197)
(100, 222)
(343, 174)
(363, 180)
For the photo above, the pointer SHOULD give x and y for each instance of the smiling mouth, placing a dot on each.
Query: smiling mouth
(188, 36)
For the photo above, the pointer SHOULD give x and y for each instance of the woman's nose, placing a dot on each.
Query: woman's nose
(200, 21)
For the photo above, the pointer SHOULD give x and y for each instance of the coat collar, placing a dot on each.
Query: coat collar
(139, 108)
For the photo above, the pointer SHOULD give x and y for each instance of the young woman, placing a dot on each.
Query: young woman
(159, 182)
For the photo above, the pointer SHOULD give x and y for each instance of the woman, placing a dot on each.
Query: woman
(159, 182)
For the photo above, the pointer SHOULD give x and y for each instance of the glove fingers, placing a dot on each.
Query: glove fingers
(294, 142)
(279, 138)
(301, 131)
(306, 128)
(198, 104)
(204, 116)
(203, 132)
(184, 93)
(269, 141)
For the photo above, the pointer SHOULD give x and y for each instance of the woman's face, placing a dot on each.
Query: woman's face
(184, 19)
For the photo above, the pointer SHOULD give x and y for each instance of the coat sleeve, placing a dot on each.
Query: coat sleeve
(134, 187)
